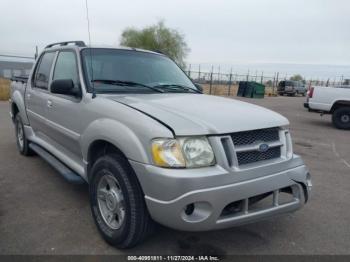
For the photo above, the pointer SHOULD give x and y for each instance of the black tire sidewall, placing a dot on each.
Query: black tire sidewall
(18, 121)
(110, 165)
(336, 118)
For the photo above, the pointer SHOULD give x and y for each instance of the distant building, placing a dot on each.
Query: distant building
(9, 69)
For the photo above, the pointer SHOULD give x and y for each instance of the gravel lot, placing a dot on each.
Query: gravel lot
(40, 213)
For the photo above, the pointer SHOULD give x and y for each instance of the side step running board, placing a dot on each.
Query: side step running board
(64, 171)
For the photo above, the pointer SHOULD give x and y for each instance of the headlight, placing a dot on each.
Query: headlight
(197, 152)
(183, 152)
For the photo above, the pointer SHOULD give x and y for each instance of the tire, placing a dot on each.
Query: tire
(117, 202)
(341, 118)
(21, 140)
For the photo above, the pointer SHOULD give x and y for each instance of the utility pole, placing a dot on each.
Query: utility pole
(230, 83)
(211, 79)
(219, 76)
(276, 82)
(36, 52)
(199, 74)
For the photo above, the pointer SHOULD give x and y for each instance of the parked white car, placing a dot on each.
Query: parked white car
(331, 100)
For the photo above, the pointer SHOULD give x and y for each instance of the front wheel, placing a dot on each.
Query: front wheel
(117, 202)
(341, 118)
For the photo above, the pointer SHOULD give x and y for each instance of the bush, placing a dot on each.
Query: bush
(4, 89)
(157, 38)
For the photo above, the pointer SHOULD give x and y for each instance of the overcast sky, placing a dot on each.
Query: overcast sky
(220, 31)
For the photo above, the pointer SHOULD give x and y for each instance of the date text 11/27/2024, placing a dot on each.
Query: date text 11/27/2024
(173, 258)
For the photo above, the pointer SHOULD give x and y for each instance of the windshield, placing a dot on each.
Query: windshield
(114, 70)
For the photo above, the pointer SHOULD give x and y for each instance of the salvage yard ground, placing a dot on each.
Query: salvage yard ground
(40, 213)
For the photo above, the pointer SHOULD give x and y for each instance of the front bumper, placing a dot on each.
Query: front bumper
(187, 202)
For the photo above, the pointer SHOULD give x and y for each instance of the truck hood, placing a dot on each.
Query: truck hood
(197, 114)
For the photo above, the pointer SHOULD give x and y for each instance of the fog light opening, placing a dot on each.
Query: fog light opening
(189, 209)
(196, 212)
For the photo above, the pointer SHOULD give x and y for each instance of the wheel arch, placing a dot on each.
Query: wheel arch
(14, 110)
(104, 135)
(99, 148)
(340, 103)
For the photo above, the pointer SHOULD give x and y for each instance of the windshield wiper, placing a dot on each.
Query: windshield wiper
(177, 86)
(125, 83)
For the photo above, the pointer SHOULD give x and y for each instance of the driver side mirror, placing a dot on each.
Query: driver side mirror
(199, 87)
(63, 87)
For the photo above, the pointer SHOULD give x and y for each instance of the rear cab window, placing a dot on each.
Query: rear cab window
(42, 73)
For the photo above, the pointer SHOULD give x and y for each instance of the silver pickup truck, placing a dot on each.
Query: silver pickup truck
(151, 146)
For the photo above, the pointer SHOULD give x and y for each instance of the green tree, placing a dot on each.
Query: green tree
(158, 38)
(296, 77)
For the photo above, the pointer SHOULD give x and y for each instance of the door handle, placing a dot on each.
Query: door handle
(49, 103)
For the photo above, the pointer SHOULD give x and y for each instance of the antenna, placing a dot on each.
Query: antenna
(36, 52)
(92, 70)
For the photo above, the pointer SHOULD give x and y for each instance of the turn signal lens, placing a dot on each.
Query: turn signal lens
(167, 153)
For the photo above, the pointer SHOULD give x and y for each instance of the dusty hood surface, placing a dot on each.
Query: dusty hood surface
(197, 114)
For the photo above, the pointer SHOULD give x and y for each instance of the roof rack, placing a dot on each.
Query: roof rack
(77, 43)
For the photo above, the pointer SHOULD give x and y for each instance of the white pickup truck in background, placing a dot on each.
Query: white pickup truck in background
(331, 100)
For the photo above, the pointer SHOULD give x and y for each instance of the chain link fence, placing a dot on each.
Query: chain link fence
(218, 83)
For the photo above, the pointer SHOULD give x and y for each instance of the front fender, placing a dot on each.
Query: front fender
(117, 134)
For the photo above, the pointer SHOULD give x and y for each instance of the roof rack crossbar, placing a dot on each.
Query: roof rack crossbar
(77, 43)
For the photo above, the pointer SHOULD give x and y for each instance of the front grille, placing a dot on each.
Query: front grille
(251, 137)
(248, 157)
(246, 145)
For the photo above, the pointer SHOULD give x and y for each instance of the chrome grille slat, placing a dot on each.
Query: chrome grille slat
(255, 147)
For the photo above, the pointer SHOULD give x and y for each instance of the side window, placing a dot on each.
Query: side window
(66, 67)
(42, 74)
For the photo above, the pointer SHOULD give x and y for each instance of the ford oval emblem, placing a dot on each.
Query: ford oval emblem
(263, 147)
